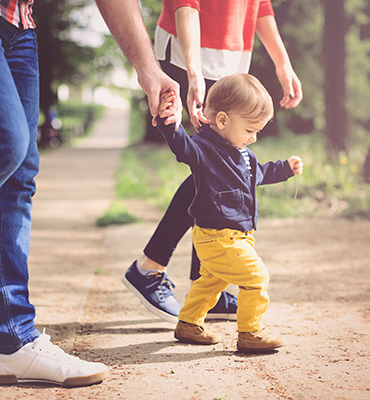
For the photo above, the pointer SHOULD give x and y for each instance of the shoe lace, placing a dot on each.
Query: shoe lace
(262, 333)
(162, 282)
(230, 299)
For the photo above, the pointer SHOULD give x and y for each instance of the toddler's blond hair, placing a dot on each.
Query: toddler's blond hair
(241, 94)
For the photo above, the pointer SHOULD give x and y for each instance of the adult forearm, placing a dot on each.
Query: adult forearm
(124, 20)
(188, 34)
(268, 32)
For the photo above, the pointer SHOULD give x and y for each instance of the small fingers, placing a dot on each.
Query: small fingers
(296, 165)
(167, 104)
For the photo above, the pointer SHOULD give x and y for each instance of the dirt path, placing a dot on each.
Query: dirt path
(319, 293)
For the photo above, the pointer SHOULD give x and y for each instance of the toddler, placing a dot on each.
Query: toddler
(224, 207)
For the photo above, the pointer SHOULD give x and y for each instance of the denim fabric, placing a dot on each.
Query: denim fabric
(19, 160)
(225, 190)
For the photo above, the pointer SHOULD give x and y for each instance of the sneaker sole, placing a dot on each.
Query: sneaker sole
(156, 311)
(266, 350)
(68, 383)
(193, 341)
(86, 380)
(213, 316)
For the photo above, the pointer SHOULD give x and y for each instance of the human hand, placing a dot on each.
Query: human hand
(291, 86)
(154, 82)
(195, 100)
(296, 165)
(165, 105)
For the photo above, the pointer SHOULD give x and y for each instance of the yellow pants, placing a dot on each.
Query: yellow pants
(227, 256)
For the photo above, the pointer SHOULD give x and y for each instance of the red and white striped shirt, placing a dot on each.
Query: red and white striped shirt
(18, 12)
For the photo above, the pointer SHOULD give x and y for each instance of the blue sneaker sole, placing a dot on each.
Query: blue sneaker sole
(156, 311)
(223, 316)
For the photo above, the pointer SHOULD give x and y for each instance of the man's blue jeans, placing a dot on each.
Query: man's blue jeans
(19, 161)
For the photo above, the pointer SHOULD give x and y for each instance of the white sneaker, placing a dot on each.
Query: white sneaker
(42, 361)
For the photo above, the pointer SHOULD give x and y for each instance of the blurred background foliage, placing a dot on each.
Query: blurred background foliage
(329, 45)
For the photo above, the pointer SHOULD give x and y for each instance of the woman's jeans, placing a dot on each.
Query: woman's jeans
(19, 161)
(176, 221)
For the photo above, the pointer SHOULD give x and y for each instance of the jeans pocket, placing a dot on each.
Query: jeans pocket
(7, 32)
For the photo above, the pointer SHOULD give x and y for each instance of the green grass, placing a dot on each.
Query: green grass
(324, 189)
(116, 214)
(151, 173)
(74, 116)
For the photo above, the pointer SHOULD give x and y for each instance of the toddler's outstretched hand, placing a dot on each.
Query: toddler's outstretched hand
(166, 101)
(296, 165)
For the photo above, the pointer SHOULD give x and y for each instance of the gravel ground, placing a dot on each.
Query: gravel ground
(319, 297)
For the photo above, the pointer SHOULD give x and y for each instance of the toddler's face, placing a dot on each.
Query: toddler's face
(239, 132)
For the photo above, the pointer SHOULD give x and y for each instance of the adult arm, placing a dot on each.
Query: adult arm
(126, 24)
(268, 32)
(188, 34)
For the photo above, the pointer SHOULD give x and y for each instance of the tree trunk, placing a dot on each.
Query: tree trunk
(366, 171)
(334, 57)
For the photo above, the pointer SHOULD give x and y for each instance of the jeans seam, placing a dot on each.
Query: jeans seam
(2, 274)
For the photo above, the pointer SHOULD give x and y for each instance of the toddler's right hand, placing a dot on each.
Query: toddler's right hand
(166, 101)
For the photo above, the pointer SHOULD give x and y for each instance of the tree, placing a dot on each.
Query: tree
(60, 57)
(335, 77)
(335, 93)
(300, 27)
(366, 169)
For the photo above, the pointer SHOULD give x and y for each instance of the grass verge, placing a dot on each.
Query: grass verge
(151, 173)
(117, 214)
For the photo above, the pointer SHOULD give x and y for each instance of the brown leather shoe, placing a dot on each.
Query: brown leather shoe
(261, 341)
(190, 333)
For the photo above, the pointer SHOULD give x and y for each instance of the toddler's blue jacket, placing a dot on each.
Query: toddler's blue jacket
(225, 192)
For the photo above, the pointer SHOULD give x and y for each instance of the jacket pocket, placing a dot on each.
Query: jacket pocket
(230, 202)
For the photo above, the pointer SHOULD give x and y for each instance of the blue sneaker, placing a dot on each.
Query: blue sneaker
(154, 290)
(225, 308)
